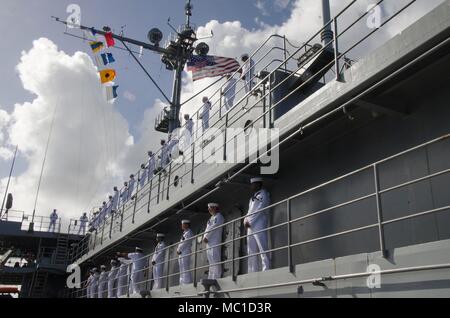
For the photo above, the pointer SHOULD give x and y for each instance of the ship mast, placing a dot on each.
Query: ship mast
(174, 56)
(327, 34)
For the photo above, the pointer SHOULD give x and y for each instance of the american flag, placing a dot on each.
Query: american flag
(211, 66)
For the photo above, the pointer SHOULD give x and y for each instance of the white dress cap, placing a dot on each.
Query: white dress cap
(256, 180)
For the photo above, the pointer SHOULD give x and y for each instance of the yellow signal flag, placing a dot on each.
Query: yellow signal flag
(107, 76)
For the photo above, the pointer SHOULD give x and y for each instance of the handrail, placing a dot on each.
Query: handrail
(217, 91)
(291, 221)
(150, 190)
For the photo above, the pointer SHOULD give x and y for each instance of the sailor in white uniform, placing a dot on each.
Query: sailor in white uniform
(248, 71)
(88, 285)
(103, 212)
(256, 222)
(143, 176)
(184, 250)
(139, 261)
(109, 206)
(204, 115)
(212, 238)
(123, 277)
(83, 223)
(115, 201)
(151, 164)
(189, 124)
(131, 185)
(53, 219)
(94, 221)
(229, 92)
(113, 279)
(172, 145)
(94, 283)
(164, 157)
(124, 194)
(103, 283)
(158, 260)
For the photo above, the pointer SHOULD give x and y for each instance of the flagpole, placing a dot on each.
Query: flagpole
(31, 226)
(174, 56)
(9, 180)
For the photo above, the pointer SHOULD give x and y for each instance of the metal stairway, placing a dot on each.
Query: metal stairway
(62, 250)
(162, 122)
(39, 284)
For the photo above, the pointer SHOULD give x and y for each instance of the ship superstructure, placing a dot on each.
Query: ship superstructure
(363, 179)
(37, 260)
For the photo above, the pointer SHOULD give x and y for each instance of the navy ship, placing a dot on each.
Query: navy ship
(360, 199)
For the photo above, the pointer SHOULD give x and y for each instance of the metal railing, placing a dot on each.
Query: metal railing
(42, 223)
(288, 224)
(160, 185)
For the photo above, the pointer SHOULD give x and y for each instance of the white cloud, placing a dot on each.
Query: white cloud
(282, 4)
(266, 6)
(129, 96)
(5, 152)
(261, 6)
(89, 139)
(149, 139)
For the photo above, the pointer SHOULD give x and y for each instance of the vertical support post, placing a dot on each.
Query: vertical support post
(136, 196)
(220, 103)
(111, 225)
(225, 135)
(167, 269)
(195, 262)
(168, 181)
(270, 103)
(285, 53)
(159, 185)
(121, 221)
(129, 279)
(147, 281)
(289, 236)
(103, 232)
(197, 125)
(336, 50)
(193, 162)
(264, 105)
(95, 239)
(379, 211)
(233, 251)
(150, 194)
